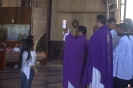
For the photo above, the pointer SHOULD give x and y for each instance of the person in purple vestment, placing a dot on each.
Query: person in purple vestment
(74, 58)
(99, 67)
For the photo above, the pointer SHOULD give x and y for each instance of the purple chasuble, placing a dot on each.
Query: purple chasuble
(74, 58)
(100, 56)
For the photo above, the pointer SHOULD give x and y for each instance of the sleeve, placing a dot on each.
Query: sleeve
(65, 34)
(113, 38)
(18, 49)
(120, 48)
(30, 63)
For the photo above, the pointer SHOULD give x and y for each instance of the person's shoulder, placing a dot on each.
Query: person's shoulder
(113, 32)
(33, 51)
(25, 53)
(125, 38)
(104, 27)
(14, 48)
(131, 36)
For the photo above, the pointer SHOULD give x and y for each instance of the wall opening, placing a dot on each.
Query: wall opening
(41, 44)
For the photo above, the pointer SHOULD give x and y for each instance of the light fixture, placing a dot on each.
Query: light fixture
(12, 20)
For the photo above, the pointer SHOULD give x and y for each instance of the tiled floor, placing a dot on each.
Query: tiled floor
(50, 76)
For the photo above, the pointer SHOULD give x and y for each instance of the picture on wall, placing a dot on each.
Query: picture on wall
(14, 32)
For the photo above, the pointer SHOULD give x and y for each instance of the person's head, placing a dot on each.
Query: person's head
(20, 44)
(117, 28)
(111, 23)
(94, 28)
(31, 37)
(128, 21)
(123, 27)
(4, 44)
(100, 21)
(81, 30)
(16, 45)
(8, 46)
(26, 46)
(130, 28)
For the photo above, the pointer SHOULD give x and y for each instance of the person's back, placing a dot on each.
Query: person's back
(122, 51)
(74, 59)
(131, 41)
(16, 49)
(122, 60)
(99, 62)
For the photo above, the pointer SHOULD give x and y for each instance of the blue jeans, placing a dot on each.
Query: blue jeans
(26, 83)
(31, 77)
(24, 80)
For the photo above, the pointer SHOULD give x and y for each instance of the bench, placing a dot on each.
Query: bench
(7, 57)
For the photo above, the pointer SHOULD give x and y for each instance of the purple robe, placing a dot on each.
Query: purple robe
(100, 56)
(74, 58)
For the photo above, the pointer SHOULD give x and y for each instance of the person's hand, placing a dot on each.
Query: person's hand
(65, 30)
(35, 70)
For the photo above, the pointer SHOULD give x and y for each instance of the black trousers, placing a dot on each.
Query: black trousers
(121, 83)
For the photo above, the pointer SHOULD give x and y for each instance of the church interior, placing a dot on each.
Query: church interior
(43, 20)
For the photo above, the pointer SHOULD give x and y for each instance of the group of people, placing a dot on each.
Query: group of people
(105, 61)
(8, 47)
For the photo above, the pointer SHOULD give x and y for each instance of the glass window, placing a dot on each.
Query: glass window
(122, 1)
(122, 12)
(129, 7)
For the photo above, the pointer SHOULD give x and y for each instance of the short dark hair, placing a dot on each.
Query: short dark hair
(30, 37)
(102, 19)
(111, 20)
(124, 27)
(129, 21)
(82, 29)
(130, 27)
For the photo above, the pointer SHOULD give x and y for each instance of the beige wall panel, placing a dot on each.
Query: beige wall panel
(63, 5)
(88, 20)
(18, 3)
(82, 19)
(103, 4)
(53, 35)
(13, 3)
(53, 20)
(75, 16)
(93, 5)
(54, 5)
(78, 5)
(91, 20)
(5, 3)
(89, 34)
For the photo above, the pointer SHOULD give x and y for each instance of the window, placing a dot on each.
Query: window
(126, 9)
(123, 8)
(129, 9)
